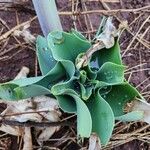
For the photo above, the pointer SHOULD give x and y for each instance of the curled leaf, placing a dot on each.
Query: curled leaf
(44, 54)
(69, 48)
(73, 103)
(102, 117)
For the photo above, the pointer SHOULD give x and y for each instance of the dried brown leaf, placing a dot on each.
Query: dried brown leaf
(142, 106)
(27, 138)
(94, 142)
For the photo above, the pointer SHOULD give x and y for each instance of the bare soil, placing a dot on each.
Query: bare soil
(135, 44)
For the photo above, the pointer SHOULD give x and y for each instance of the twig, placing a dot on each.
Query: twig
(8, 33)
(35, 124)
(110, 1)
(142, 36)
(82, 62)
(87, 21)
(17, 6)
(4, 23)
(147, 79)
(106, 12)
(136, 66)
(135, 36)
(140, 15)
(23, 113)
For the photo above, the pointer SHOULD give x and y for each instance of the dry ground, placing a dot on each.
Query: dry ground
(83, 15)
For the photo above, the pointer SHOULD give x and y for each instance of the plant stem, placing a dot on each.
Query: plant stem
(46, 11)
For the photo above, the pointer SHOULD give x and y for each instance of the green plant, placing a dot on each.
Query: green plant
(96, 91)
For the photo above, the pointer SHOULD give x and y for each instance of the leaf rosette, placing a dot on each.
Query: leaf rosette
(98, 93)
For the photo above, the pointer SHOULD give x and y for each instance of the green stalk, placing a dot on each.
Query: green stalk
(47, 13)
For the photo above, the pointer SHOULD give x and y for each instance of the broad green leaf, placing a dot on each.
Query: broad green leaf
(7, 91)
(83, 76)
(63, 88)
(62, 72)
(14, 92)
(31, 91)
(86, 91)
(131, 116)
(56, 75)
(106, 55)
(119, 96)
(91, 75)
(67, 46)
(111, 73)
(102, 117)
(45, 58)
(101, 84)
(67, 103)
(104, 89)
(84, 121)
(53, 75)
(78, 34)
(111, 55)
(69, 67)
(60, 87)
(26, 81)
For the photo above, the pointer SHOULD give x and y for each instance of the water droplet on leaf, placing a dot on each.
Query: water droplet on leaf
(126, 96)
(109, 77)
(46, 48)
